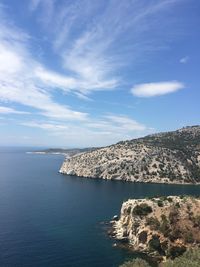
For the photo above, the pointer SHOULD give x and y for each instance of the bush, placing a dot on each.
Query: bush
(175, 234)
(173, 216)
(176, 251)
(177, 205)
(160, 203)
(165, 227)
(143, 237)
(188, 237)
(135, 263)
(170, 199)
(196, 221)
(190, 258)
(154, 243)
(153, 223)
(142, 210)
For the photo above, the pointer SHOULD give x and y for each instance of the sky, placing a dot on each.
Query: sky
(79, 73)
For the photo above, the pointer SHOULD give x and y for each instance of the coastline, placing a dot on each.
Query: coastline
(129, 181)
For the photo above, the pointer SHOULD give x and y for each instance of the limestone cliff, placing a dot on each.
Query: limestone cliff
(164, 226)
(171, 157)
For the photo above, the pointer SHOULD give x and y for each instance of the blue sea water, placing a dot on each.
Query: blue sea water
(51, 220)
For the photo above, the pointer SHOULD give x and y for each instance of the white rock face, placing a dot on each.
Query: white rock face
(162, 158)
(168, 220)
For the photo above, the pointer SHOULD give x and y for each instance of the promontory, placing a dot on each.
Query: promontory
(160, 226)
(169, 157)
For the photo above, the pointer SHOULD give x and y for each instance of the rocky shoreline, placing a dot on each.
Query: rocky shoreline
(162, 227)
(170, 158)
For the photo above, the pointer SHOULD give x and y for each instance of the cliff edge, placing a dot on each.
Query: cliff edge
(164, 226)
(171, 157)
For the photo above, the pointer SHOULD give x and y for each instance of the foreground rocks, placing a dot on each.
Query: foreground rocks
(164, 227)
(171, 157)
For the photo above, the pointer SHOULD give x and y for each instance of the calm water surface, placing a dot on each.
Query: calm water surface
(51, 220)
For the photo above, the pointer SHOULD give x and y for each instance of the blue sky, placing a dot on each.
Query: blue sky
(76, 73)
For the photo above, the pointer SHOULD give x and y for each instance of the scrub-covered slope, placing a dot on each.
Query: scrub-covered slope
(171, 157)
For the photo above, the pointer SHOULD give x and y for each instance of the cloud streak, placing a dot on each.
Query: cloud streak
(7, 110)
(156, 89)
(93, 51)
(19, 80)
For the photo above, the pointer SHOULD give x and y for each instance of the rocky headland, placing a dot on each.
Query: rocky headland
(170, 157)
(164, 227)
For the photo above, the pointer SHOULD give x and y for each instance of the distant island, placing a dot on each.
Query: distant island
(170, 157)
(162, 227)
(68, 152)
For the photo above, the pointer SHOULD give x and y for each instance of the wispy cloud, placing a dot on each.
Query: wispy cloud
(7, 110)
(184, 60)
(94, 45)
(104, 131)
(19, 80)
(46, 126)
(94, 50)
(156, 89)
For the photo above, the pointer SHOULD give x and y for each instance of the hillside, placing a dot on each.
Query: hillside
(171, 157)
(163, 227)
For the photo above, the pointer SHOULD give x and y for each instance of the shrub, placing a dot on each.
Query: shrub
(165, 227)
(142, 210)
(164, 245)
(177, 205)
(188, 237)
(170, 199)
(173, 216)
(176, 251)
(175, 234)
(143, 237)
(190, 258)
(153, 223)
(154, 243)
(135, 263)
(160, 203)
(196, 221)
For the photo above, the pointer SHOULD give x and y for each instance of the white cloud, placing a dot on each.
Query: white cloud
(126, 123)
(102, 131)
(19, 80)
(156, 89)
(184, 60)
(7, 110)
(93, 50)
(53, 79)
(46, 126)
(10, 62)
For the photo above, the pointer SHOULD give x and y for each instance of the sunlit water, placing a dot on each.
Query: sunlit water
(51, 220)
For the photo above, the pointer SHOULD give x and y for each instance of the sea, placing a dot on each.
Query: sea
(52, 220)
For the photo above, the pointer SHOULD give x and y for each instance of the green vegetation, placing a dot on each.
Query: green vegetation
(160, 203)
(153, 222)
(135, 263)
(154, 244)
(142, 210)
(176, 251)
(164, 226)
(190, 258)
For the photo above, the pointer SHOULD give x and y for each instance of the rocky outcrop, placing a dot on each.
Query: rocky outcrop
(172, 157)
(164, 226)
